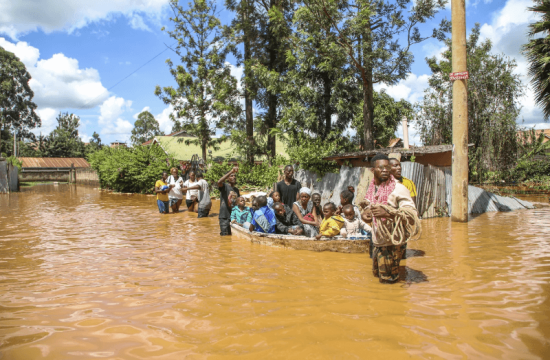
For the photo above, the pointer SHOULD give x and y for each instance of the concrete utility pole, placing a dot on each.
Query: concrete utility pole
(459, 211)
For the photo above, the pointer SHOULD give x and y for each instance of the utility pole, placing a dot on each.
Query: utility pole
(459, 211)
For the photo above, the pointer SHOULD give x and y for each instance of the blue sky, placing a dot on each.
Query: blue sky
(77, 50)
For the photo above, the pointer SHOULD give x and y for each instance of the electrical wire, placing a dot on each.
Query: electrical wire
(127, 76)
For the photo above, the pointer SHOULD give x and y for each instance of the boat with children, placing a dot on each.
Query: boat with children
(350, 245)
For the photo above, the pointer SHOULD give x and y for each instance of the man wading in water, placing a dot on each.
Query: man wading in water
(390, 206)
(225, 188)
(289, 188)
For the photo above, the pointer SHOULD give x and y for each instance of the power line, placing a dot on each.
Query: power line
(127, 76)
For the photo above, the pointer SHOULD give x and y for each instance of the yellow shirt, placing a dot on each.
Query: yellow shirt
(331, 226)
(409, 185)
(161, 197)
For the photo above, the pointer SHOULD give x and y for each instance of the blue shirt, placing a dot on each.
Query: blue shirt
(264, 220)
(241, 216)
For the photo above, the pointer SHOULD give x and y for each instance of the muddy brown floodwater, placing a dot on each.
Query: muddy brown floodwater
(87, 274)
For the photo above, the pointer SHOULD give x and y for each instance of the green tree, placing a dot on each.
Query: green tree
(145, 128)
(94, 144)
(206, 97)
(537, 50)
(17, 111)
(375, 37)
(64, 140)
(494, 92)
(388, 114)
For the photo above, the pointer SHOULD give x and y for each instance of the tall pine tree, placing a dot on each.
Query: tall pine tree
(206, 97)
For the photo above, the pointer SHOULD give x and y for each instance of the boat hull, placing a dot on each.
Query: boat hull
(336, 244)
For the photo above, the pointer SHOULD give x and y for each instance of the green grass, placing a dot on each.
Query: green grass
(33, 183)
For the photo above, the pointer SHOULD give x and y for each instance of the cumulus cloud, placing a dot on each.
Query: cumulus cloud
(508, 31)
(410, 89)
(58, 82)
(165, 124)
(22, 16)
(111, 119)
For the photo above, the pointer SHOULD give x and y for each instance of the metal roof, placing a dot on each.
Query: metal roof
(420, 150)
(29, 162)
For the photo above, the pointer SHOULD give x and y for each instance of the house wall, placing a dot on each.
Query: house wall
(437, 159)
(44, 175)
(87, 177)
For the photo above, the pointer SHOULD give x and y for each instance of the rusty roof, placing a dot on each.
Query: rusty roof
(29, 162)
(413, 150)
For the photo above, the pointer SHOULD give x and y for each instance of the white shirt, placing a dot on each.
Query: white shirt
(175, 192)
(204, 201)
(188, 184)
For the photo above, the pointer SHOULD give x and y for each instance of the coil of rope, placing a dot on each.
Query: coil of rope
(405, 227)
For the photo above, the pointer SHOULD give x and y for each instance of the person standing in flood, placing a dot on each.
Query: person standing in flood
(192, 194)
(162, 189)
(389, 201)
(395, 169)
(289, 187)
(175, 196)
(225, 209)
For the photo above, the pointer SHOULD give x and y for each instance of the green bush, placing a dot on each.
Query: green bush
(249, 177)
(15, 162)
(133, 170)
(531, 170)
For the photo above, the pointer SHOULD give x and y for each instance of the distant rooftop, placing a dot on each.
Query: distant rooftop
(413, 150)
(44, 162)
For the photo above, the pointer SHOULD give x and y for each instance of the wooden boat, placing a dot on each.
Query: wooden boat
(359, 244)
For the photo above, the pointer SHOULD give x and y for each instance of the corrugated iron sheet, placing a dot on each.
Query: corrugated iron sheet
(331, 184)
(434, 186)
(29, 162)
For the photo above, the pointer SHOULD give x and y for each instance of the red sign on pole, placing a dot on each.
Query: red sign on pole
(459, 76)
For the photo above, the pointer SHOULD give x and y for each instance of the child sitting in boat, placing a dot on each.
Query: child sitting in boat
(263, 220)
(275, 196)
(353, 225)
(332, 223)
(241, 214)
(287, 221)
(316, 200)
(346, 198)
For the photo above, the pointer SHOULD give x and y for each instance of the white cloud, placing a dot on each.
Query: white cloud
(58, 82)
(49, 122)
(508, 31)
(137, 22)
(111, 120)
(165, 124)
(410, 89)
(21, 16)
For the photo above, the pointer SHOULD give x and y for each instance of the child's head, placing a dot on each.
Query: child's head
(316, 199)
(349, 212)
(240, 202)
(279, 209)
(276, 196)
(351, 188)
(346, 197)
(255, 204)
(329, 209)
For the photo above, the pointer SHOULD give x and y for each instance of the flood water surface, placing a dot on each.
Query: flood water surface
(88, 274)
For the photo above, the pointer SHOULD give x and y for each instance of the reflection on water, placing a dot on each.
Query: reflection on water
(87, 274)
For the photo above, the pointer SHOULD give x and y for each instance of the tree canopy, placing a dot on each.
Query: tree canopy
(494, 92)
(145, 128)
(17, 110)
(64, 140)
(206, 97)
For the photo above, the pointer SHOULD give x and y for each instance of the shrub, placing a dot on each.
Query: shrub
(15, 162)
(130, 169)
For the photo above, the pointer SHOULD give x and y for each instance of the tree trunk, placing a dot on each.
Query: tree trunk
(327, 84)
(272, 48)
(368, 97)
(203, 146)
(247, 80)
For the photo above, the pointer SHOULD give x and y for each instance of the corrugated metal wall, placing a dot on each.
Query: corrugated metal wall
(433, 184)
